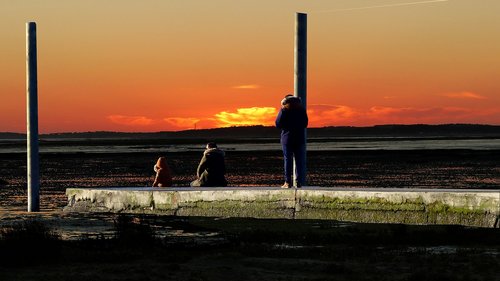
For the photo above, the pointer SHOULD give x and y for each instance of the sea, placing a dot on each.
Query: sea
(121, 146)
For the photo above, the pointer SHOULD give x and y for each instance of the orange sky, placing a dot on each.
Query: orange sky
(156, 65)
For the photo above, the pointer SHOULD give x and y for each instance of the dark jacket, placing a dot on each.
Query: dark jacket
(292, 123)
(212, 168)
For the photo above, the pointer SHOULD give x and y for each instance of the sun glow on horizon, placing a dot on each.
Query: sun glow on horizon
(320, 115)
(247, 117)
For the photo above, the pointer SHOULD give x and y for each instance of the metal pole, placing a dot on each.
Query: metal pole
(32, 119)
(300, 77)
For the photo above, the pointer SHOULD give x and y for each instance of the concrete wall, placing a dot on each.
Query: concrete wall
(382, 205)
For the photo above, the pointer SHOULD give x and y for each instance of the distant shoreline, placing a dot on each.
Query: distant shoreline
(452, 131)
(131, 145)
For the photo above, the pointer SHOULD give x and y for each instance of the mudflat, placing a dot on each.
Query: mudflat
(468, 169)
(148, 247)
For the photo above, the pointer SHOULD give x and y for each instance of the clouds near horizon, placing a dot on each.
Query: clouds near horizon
(181, 123)
(240, 117)
(130, 120)
(341, 115)
(464, 95)
(320, 115)
(247, 87)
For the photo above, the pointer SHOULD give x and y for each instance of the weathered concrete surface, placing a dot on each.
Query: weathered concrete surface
(412, 206)
(384, 205)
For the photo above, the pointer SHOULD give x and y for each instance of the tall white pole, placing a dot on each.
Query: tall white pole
(300, 77)
(32, 119)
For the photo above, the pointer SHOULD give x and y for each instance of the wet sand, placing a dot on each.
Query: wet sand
(468, 169)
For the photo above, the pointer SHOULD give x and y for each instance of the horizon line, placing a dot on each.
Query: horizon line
(250, 126)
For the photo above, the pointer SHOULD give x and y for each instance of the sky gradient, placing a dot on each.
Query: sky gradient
(160, 65)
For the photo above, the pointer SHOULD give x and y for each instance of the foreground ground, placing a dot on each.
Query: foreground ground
(168, 248)
(56, 246)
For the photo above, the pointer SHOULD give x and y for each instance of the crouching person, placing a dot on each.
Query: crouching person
(163, 176)
(212, 168)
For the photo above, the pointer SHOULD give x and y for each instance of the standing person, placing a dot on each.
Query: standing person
(212, 168)
(163, 177)
(292, 120)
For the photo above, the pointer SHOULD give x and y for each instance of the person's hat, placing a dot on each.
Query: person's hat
(285, 99)
(289, 98)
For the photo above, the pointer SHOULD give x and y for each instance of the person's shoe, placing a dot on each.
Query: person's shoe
(298, 185)
(285, 185)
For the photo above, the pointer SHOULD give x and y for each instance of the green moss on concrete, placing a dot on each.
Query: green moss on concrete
(130, 201)
(165, 201)
(396, 208)
(232, 208)
(440, 208)
(335, 203)
(380, 204)
(74, 193)
(368, 216)
(381, 210)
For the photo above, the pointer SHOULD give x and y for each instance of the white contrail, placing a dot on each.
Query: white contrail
(382, 6)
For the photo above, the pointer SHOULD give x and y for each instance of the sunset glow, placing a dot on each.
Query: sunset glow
(247, 116)
(131, 120)
(145, 66)
(465, 95)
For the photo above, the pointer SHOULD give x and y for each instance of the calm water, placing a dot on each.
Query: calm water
(75, 146)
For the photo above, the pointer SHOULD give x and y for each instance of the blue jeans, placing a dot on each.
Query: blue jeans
(293, 152)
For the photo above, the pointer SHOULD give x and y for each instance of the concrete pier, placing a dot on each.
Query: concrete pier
(375, 205)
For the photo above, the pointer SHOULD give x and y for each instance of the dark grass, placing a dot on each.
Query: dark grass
(29, 242)
(252, 249)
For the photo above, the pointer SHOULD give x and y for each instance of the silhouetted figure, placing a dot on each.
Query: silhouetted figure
(163, 177)
(292, 120)
(212, 168)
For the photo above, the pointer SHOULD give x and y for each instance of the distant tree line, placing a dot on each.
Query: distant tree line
(262, 132)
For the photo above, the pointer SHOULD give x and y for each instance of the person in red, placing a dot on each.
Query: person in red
(163, 177)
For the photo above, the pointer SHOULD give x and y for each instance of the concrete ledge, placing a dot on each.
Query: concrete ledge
(380, 205)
